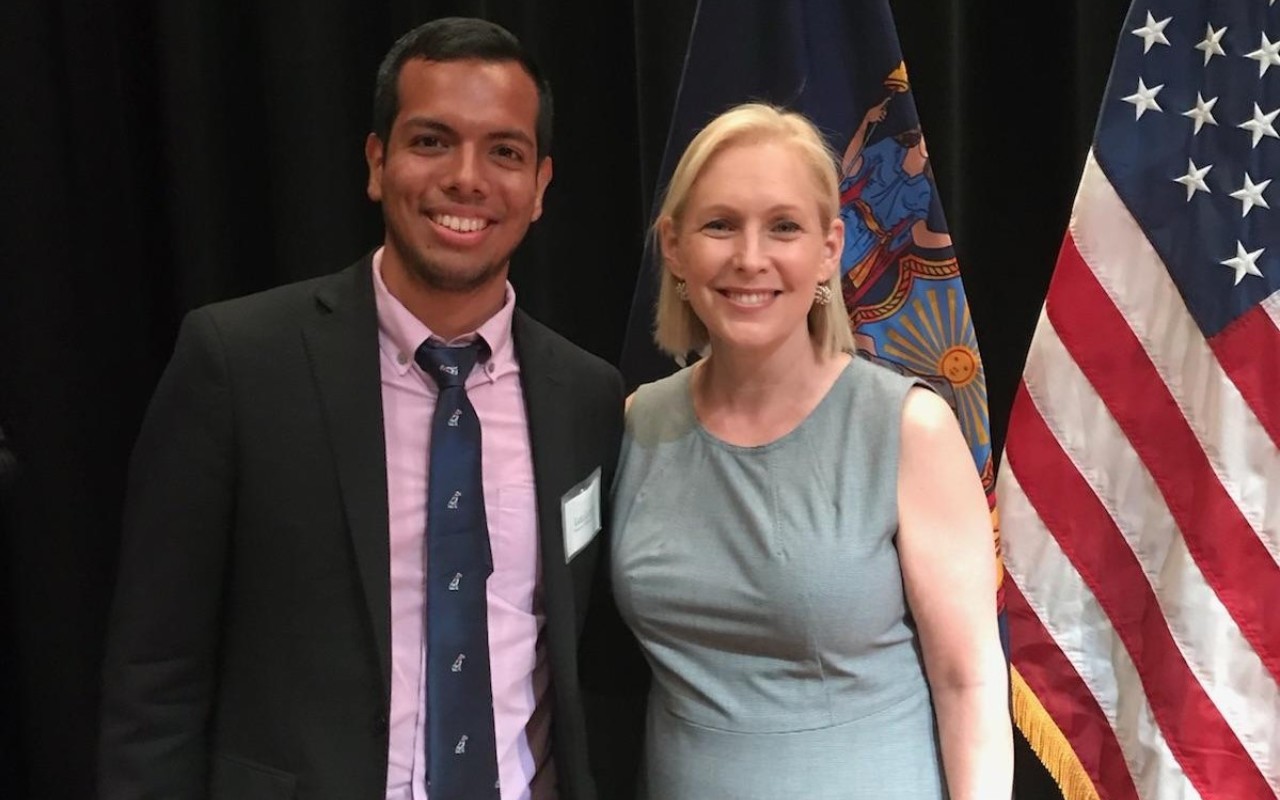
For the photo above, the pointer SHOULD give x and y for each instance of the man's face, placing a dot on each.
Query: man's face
(458, 179)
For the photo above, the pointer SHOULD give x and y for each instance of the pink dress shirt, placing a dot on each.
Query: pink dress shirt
(521, 701)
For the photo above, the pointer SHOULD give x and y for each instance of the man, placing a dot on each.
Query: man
(269, 637)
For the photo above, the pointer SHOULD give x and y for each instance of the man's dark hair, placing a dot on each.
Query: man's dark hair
(456, 39)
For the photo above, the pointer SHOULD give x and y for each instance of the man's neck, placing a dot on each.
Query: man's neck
(447, 314)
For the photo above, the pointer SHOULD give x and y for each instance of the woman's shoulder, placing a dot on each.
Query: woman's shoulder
(881, 380)
(661, 394)
(659, 405)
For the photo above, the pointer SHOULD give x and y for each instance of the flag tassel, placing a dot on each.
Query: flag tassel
(1049, 743)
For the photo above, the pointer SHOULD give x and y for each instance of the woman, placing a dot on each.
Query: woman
(802, 543)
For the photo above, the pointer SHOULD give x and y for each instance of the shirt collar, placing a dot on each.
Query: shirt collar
(400, 332)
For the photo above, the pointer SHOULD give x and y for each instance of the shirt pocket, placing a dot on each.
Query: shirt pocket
(513, 538)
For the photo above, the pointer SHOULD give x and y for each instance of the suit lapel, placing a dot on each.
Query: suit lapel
(549, 431)
(566, 446)
(342, 344)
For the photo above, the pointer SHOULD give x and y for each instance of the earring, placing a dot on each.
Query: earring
(682, 290)
(821, 294)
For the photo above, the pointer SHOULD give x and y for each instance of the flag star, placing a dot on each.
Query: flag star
(1212, 44)
(1202, 113)
(1194, 179)
(1267, 56)
(1261, 124)
(1152, 32)
(1144, 98)
(1244, 263)
(1250, 195)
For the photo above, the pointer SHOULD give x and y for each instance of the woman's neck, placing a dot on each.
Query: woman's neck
(753, 398)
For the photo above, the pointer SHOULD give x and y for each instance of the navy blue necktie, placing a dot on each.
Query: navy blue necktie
(462, 755)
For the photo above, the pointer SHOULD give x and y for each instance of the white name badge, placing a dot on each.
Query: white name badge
(580, 515)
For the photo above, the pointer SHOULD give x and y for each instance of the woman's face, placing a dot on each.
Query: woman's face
(752, 248)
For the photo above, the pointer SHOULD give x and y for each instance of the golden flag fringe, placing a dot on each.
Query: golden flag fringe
(1049, 743)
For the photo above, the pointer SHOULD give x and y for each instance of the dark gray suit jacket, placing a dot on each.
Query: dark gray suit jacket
(248, 651)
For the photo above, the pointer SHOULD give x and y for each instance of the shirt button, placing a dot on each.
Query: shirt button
(489, 368)
(402, 358)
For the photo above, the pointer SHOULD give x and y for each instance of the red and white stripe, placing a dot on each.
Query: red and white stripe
(1140, 514)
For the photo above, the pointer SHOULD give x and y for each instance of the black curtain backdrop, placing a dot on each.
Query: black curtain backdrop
(155, 156)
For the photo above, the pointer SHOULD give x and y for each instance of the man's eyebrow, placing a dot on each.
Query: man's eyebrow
(437, 126)
(428, 123)
(514, 134)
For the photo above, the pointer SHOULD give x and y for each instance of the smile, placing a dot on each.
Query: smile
(460, 224)
(748, 298)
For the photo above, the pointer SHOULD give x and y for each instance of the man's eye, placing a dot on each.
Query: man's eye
(426, 141)
(508, 153)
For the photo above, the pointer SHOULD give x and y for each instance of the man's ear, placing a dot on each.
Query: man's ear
(374, 156)
(543, 178)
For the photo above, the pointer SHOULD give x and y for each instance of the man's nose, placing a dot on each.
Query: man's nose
(466, 174)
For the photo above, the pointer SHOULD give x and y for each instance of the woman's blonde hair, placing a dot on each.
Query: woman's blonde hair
(677, 330)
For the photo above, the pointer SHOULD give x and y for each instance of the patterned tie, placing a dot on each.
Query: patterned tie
(462, 756)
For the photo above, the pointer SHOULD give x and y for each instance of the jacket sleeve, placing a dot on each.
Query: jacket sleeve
(159, 670)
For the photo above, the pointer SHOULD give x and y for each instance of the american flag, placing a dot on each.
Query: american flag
(1140, 485)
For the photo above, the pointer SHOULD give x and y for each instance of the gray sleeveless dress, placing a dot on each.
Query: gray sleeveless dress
(763, 584)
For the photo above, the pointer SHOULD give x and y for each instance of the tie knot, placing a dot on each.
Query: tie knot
(448, 366)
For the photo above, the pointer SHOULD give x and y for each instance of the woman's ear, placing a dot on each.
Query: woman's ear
(832, 249)
(668, 243)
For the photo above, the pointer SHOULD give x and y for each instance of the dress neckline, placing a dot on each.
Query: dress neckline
(711, 438)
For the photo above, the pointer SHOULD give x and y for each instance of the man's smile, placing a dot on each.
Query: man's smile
(458, 223)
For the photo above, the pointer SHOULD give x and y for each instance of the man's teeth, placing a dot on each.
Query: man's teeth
(750, 298)
(460, 224)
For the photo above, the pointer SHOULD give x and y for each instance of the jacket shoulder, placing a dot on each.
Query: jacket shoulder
(538, 335)
(281, 300)
(264, 315)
